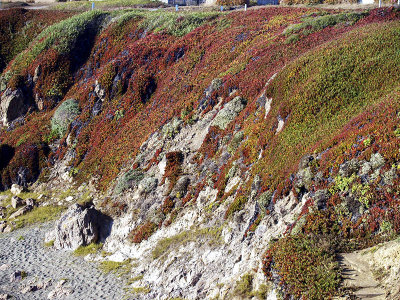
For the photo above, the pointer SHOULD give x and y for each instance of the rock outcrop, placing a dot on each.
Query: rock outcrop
(79, 226)
(13, 104)
(16, 202)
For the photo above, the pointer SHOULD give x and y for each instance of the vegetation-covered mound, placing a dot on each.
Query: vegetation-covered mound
(317, 118)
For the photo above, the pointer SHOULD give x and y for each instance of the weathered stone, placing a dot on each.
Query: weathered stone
(16, 189)
(4, 296)
(29, 288)
(16, 202)
(3, 226)
(215, 85)
(13, 105)
(8, 229)
(100, 92)
(17, 276)
(320, 198)
(44, 284)
(349, 168)
(181, 186)
(42, 197)
(3, 198)
(264, 200)
(172, 128)
(21, 212)
(30, 202)
(79, 226)
(4, 267)
(60, 291)
(376, 161)
(147, 185)
(229, 112)
(305, 161)
(37, 73)
(304, 178)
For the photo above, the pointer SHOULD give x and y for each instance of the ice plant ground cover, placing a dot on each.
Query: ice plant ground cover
(317, 118)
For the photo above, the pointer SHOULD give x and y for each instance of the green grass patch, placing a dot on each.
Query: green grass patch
(89, 249)
(61, 36)
(119, 268)
(105, 4)
(211, 235)
(313, 24)
(49, 244)
(321, 91)
(177, 24)
(39, 215)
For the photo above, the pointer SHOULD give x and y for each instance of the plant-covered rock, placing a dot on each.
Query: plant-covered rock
(63, 116)
(229, 112)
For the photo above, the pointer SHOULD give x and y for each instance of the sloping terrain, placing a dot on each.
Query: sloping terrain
(238, 153)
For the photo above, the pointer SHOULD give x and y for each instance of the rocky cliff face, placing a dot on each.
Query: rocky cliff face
(236, 154)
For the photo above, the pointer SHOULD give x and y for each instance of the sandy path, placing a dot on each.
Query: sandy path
(24, 250)
(358, 276)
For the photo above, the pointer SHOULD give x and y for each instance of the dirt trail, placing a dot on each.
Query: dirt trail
(359, 278)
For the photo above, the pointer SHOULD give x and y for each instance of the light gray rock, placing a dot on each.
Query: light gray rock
(100, 92)
(60, 291)
(147, 185)
(3, 198)
(30, 202)
(37, 74)
(21, 212)
(16, 189)
(79, 226)
(29, 288)
(216, 83)
(16, 202)
(376, 161)
(4, 296)
(13, 105)
(349, 168)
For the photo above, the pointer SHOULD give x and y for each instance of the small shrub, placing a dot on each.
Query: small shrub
(305, 265)
(63, 116)
(174, 167)
(142, 232)
(128, 179)
(244, 286)
(236, 205)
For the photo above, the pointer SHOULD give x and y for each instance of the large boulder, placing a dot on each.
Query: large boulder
(79, 226)
(13, 104)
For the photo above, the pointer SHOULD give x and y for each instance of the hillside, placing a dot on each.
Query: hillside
(237, 153)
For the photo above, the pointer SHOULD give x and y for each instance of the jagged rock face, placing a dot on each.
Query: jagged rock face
(79, 226)
(13, 105)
